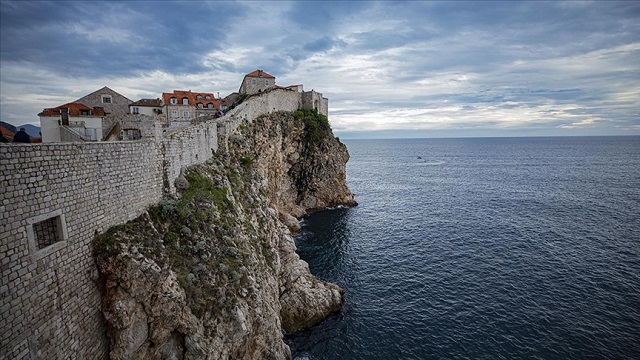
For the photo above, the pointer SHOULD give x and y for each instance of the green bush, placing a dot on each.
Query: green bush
(316, 125)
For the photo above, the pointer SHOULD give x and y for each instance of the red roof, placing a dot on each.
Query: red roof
(192, 97)
(259, 73)
(6, 132)
(75, 109)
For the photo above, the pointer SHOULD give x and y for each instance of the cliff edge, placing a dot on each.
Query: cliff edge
(213, 272)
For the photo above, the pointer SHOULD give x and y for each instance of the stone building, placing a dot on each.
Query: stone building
(112, 102)
(181, 107)
(256, 82)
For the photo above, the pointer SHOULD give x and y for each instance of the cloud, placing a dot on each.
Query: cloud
(385, 66)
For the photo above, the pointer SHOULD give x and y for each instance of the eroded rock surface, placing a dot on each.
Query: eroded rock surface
(214, 273)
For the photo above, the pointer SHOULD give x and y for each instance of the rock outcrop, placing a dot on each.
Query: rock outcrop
(213, 274)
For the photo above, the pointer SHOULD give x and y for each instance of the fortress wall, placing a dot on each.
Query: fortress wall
(68, 192)
(187, 146)
(264, 103)
(50, 304)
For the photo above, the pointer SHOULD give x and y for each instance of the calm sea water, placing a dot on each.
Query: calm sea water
(494, 248)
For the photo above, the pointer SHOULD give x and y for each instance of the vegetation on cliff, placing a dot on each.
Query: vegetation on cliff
(201, 236)
(219, 250)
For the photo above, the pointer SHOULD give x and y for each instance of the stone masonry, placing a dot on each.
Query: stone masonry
(55, 197)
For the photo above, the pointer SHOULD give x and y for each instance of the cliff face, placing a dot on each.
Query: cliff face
(214, 274)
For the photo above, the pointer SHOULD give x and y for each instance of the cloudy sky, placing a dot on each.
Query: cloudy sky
(389, 69)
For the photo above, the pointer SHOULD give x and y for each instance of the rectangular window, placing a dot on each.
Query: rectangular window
(174, 113)
(135, 110)
(185, 114)
(266, 82)
(46, 233)
(173, 101)
(106, 99)
(254, 81)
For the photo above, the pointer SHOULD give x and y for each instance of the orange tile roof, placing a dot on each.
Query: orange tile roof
(259, 73)
(6, 132)
(192, 98)
(75, 109)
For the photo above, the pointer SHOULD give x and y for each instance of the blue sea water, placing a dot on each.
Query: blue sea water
(482, 248)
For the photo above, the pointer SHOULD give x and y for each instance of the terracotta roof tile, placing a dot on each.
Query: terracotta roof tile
(259, 73)
(75, 109)
(192, 98)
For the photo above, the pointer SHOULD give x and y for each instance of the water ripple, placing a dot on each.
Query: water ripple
(482, 249)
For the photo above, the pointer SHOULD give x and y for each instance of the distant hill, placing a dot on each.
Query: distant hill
(32, 130)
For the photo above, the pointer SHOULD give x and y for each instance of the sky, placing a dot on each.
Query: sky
(390, 69)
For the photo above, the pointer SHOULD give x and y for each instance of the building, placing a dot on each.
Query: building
(181, 107)
(256, 82)
(149, 107)
(113, 103)
(72, 122)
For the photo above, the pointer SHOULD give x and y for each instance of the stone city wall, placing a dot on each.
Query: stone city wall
(187, 146)
(54, 198)
(50, 305)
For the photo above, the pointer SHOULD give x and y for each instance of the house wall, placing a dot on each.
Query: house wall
(145, 110)
(119, 105)
(250, 88)
(180, 119)
(50, 301)
(50, 129)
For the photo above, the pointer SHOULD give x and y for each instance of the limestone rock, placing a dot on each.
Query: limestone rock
(213, 274)
(291, 222)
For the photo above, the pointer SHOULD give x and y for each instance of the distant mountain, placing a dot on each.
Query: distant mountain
(32, 130)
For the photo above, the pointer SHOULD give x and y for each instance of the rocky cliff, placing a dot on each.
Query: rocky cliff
(213, 273)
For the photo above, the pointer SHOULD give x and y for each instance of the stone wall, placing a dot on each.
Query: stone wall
(256, 105)
(55, 197)
(119, 105)
(50, 304)
(187, 146)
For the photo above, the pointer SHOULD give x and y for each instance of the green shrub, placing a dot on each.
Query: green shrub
(316, 125)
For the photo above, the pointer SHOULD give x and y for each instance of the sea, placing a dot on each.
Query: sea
(481, 248)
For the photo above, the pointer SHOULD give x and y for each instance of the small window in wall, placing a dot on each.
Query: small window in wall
(266, 82)
(46, 233)
(185, 101)
(199, 97)
(210, 105)
(254, 81)
(185, 114)
(174, 113)
(132, 134)
(200, 106)
(173, 100)
(208, 97)
(135, 110)
(106, 99)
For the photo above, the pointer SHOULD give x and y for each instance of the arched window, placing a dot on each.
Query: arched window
(200, 106)
(185, 101)
(173, 100)
(208, 97)
(210, 105)
(198, 97)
